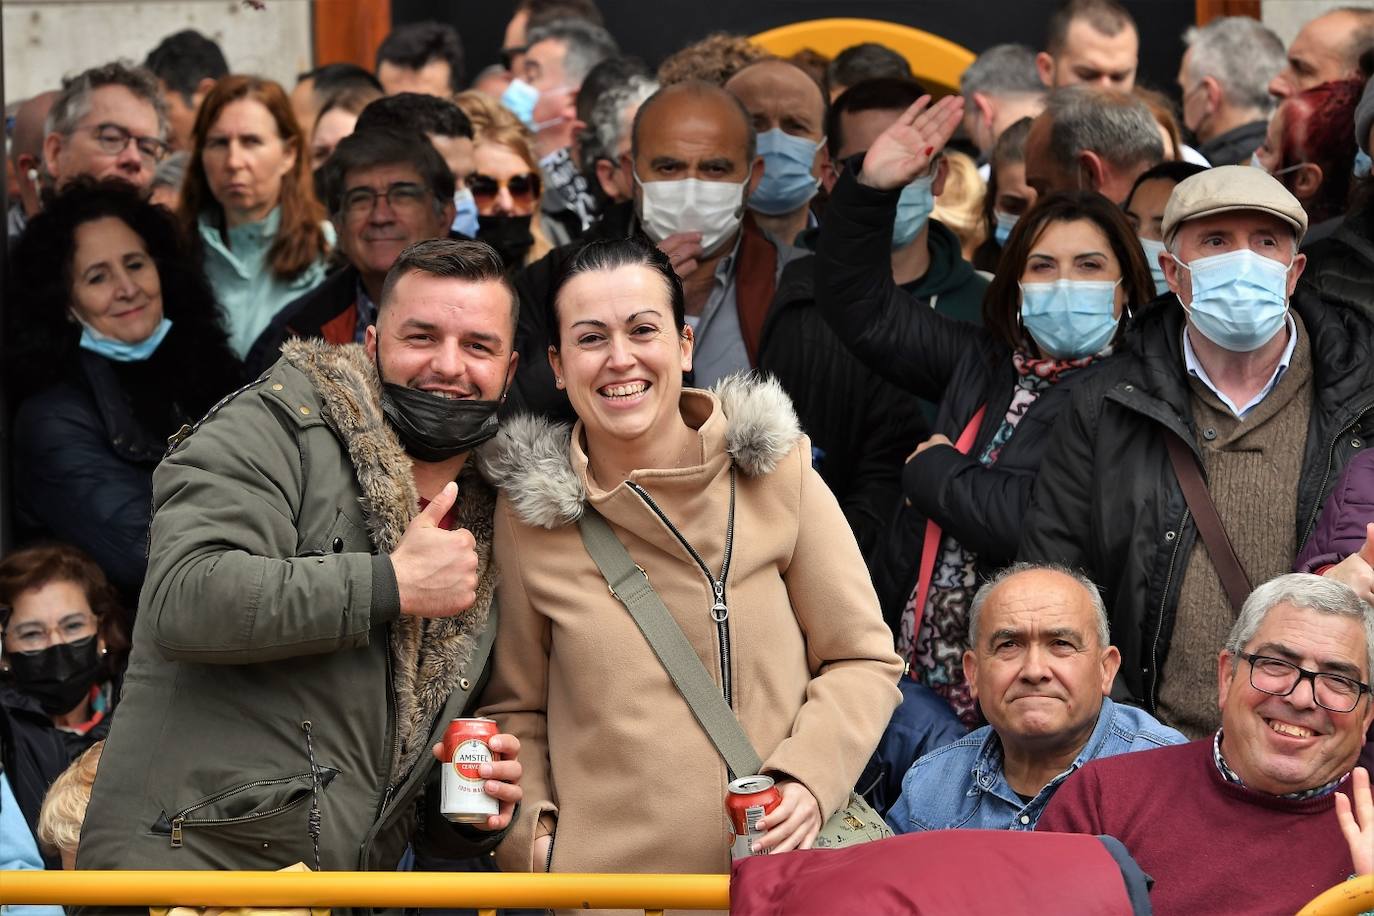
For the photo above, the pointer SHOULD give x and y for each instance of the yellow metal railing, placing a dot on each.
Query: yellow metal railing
(483, 892)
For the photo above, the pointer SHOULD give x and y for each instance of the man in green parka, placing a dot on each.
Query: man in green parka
(318, 604)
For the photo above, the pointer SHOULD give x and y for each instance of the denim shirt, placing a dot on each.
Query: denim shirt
(962, 785)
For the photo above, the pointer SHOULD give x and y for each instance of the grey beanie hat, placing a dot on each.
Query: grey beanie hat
(1364, 118)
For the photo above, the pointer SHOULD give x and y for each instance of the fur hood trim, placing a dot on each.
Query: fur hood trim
(529, 461)
(429, 656)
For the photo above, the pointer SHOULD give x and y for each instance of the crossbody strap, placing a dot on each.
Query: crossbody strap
(630, 585)
(1224, 560)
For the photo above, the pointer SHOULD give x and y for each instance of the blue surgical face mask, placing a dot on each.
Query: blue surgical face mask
(118, 350)
(1153, 250)
(1070, 319)
(464, 213)
(1240, 299)
(1362, 164)
(1004, 223)
(913, 209)
(787, 182)
(519, 99)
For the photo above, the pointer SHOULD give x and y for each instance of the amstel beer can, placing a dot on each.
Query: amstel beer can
(747, 800)
(463, 797)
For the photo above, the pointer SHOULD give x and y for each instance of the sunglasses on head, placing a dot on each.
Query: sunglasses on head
(523, 189)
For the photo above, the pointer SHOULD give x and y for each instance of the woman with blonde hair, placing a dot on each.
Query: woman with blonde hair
(506, 185)
(249, 204)
(960, 206)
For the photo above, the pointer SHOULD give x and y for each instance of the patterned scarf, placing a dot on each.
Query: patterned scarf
(936, 653)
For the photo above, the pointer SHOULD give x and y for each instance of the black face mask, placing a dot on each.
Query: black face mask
(434, 428)
(509, 235)
(58, 677)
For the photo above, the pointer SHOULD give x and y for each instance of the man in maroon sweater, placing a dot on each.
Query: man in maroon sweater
(1245, 821)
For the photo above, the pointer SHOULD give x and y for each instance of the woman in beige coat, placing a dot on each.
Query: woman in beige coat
(619, 777)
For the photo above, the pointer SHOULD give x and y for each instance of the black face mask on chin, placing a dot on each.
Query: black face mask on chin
(435, 428)
(58, 677)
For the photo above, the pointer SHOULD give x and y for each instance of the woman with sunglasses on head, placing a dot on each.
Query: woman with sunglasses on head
(1071, 274)
(506, 185)
(63, 645)
(249, 205)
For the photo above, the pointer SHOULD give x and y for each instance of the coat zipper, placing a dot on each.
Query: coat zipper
(1326, 477)
(395, 730)
(1164, 603)
(720, 611)
(179, 819)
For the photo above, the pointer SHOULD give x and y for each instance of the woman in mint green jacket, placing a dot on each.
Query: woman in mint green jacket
(249, 205)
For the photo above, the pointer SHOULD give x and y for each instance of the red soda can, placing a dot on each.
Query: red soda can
(463, 797)
(747, 800)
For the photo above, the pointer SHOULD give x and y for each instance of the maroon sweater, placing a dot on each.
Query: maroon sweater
(1211, 846)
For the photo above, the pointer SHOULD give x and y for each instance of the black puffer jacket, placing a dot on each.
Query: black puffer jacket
(1339, 267)
(1108, 502)
(958, 365)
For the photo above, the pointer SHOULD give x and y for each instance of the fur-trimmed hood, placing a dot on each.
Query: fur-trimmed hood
(529, 458)
(428, 654)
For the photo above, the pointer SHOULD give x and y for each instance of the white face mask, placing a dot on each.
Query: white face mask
(713, 208)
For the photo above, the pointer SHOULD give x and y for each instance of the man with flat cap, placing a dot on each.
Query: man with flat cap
(1235, 391)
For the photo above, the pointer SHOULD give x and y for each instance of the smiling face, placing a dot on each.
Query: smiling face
(245, 161)
(445, 335)
(115, 284)
(620, 357)
(372, 238)
(1037, 667)
(1288, 744)
(1073, 250)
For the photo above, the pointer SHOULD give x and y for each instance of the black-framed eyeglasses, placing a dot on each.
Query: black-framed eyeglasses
(1279, 678)
(113, 140)
(401, 196)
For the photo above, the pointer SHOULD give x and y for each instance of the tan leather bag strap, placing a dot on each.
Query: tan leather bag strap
(1224, 560)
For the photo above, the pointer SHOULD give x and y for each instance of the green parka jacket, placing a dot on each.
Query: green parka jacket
(272, 671)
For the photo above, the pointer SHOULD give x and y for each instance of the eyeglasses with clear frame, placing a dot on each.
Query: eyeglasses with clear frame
(113, 140)
(33, 636)
(1279, 678)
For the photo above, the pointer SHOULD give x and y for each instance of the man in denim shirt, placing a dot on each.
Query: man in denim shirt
(1041, 666)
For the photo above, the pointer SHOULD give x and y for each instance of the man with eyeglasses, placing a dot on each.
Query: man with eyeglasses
(1246, 820)
(386, 190)
(107, 121)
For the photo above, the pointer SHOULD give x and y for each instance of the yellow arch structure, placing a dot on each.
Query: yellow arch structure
(937, 62)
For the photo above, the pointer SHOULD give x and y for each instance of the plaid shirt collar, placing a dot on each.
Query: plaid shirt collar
(1230, 776)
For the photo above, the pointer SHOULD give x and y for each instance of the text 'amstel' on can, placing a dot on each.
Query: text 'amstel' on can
(463, 794)
(747, 800)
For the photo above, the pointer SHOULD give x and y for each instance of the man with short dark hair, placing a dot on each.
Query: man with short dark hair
(26, 161)
(315, 88)
(1000, 87)
(108, 121)
(532, 13)
(385, 191)
(1224, 79)
(320, 591)
(444, 123)
(1293, 683)
(866, 61)
(1091, 139)
(1258, 393)
(424, 57)
(1040, 663)
(1090, 41)
(1327, 49)
(788, 110)
(186, 65)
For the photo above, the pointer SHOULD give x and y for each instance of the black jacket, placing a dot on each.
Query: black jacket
(33, 752)
(1108, 502)
(305, 317)
(83, 462)
(1236, 145)
(1339, 267)
(958, 365)
(861, 427)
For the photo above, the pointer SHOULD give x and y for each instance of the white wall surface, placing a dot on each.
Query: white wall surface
(48, 39)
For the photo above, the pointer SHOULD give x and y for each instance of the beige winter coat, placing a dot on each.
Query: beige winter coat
(614, 763)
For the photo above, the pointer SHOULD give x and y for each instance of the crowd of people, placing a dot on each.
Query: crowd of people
(1003, 458)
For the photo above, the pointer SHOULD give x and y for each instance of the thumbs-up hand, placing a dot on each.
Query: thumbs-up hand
(1357, 570)
(436, 570)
